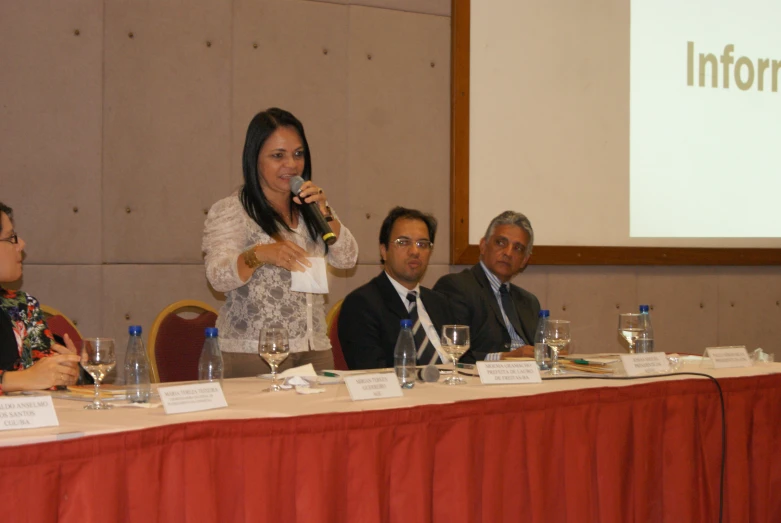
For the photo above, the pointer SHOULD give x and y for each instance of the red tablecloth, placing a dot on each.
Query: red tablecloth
(646, 453)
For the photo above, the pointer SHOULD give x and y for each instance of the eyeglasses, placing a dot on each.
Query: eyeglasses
(14, 238)
(406, 243)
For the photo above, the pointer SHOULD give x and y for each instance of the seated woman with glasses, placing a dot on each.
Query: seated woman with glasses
(29, 357)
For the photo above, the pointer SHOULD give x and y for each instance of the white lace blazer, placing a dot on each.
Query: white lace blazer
(266, 297)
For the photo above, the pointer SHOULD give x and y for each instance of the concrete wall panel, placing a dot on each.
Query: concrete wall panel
(50, 126)
(399, 121)
(167, 127)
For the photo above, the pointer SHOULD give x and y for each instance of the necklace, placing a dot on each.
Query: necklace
(285, 211)
(287, 217)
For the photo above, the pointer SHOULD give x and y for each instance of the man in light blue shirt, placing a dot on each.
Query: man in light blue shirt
(502, 316)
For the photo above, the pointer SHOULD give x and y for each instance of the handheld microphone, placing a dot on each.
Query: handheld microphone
(312, 213)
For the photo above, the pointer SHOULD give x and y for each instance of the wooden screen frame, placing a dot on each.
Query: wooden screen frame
(461, 252)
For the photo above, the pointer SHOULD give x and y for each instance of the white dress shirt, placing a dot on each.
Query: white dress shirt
(425, 320)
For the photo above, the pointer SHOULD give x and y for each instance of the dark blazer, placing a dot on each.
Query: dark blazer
(370, 321)
(474, 304)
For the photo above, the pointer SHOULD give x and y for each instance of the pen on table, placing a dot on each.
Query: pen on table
(356, 373)
(585, 362)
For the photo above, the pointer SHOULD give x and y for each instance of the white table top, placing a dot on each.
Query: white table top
(246, 399)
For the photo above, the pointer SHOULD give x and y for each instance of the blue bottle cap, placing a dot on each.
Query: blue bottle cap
(643, 308)
(134, 330)
(406, 324)
(211, 332)
(544, 313)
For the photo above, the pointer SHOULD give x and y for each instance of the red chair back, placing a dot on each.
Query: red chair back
(60, 325)
(333, 335)
(176, 342)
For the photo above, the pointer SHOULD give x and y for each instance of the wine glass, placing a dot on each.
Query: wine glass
(557, 336)
(97, 358)
(273, 347)
(455, 342)
(630, 326)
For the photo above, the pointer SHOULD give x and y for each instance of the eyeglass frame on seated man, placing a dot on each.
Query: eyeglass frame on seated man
(13, 239)
(406, 243)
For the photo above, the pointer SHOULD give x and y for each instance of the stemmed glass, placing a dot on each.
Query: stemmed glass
(273, 347)
(630, 326)
(557, 336)
(455, 342)
(97, 358)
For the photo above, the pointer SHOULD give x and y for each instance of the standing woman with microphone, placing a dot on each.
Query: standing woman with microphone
(254, 239)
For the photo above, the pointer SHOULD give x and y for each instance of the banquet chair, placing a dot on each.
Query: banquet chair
(60, 325)
(332, 323)
(176, 340)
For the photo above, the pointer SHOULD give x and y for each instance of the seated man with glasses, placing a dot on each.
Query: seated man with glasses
(371, 315)
(502, 316)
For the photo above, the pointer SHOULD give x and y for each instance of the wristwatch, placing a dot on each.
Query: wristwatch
(250, 259)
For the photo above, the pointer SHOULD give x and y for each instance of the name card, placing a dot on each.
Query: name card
(27, 413)
(373, 386)
(504, 372)
(728, 357)
(192, 398)
(649, 363)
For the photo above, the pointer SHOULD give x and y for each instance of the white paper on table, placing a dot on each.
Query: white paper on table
(303, 370)
(296, 381)
(307, 371)
(148, 405)
(313, 279)
(302, 384)
(308, 390)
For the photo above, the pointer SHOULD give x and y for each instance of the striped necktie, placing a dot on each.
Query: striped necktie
(510, 311)
(426, 351)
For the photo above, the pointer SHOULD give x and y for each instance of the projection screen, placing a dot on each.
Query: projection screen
(628, 131)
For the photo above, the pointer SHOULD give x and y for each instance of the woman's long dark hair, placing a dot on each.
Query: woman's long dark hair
(252, 198)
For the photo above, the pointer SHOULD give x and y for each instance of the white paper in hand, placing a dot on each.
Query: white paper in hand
(313, 279)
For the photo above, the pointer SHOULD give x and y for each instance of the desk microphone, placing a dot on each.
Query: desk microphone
(429, 374)
(312, 212)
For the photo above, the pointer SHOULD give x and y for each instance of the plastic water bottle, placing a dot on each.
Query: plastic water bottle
(541, 350)
(405, 356)
(210, 364)
(137, 368)
(645, 340)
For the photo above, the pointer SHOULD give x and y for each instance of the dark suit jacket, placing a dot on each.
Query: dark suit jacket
(474, 304)
(370, 321)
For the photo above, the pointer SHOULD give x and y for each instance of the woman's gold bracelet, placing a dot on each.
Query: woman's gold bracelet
(251, 259)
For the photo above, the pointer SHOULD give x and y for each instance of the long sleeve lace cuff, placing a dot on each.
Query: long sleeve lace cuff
(343, 254)
(224, 238)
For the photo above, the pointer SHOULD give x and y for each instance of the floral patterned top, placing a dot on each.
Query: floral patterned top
(32, 335)
(266, 297)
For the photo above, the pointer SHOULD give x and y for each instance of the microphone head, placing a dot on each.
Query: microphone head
(428, 374)
(295, 184)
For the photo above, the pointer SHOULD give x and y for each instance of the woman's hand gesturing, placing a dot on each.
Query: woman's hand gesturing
(285, 254)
